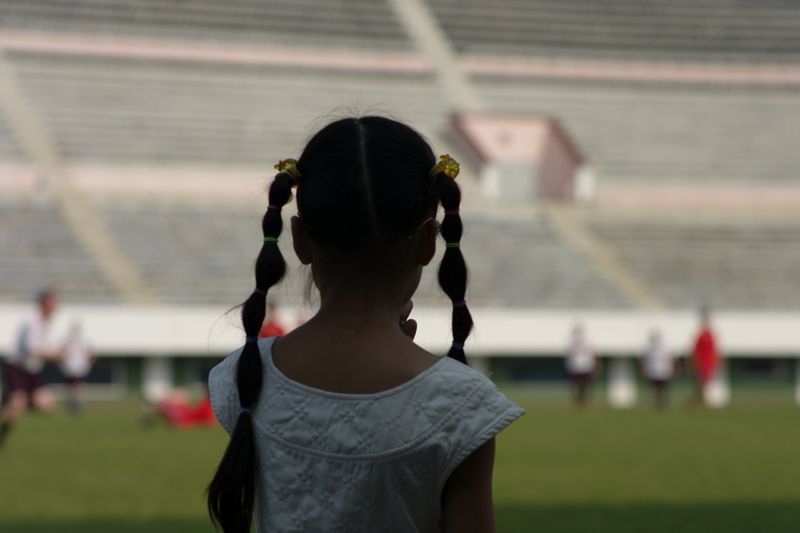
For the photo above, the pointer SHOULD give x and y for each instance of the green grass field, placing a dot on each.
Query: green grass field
(557, 470)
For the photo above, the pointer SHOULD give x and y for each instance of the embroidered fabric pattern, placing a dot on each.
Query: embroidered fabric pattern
(347, 445)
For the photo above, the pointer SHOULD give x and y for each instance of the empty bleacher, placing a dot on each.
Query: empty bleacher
(338, 23)
(39, 249)
(702, 30)
(668, 133)
(162, 112)
(195, 254)
(146, 111)
(705, 30)
(189, 255)
(522, 262)
(730, 263)
(151, 112)
(156, 113)
(9, 149)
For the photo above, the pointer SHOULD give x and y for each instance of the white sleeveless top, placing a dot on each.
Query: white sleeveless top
(331, 462)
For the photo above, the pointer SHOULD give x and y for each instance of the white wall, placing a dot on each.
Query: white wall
(118, 330)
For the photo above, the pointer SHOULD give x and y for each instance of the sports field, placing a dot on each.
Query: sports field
(736, 470)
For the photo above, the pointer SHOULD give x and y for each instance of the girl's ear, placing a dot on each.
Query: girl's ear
(300, 239)
(426, 246)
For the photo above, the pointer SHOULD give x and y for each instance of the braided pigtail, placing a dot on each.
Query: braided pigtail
(453, 269)
(231, 493)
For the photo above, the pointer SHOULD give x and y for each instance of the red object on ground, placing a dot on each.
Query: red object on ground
(182, 415)
(203, 413)
(706, 358)
(271, 328)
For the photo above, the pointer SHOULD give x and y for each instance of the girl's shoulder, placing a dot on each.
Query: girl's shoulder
(444, 393)
(446, 376)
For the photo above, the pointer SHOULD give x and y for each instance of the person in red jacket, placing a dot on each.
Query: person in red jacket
(705, 357)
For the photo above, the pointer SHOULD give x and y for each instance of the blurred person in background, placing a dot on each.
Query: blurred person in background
(272, 326)
(76, 365)
(705, 358)
(658, 367)
(582, 365)
(23, 370)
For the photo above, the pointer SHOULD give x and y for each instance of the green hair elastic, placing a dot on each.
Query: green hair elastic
(271, 239)
(453, 245)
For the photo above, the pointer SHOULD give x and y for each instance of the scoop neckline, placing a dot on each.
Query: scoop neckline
(266, 344)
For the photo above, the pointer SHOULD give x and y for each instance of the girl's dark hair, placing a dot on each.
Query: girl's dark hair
(365, 183)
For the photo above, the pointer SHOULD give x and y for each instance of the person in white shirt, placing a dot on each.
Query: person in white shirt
(22, 373)
(76, 366)
(582, 365)
(658, 367)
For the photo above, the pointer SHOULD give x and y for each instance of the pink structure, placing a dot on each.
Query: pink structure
(522, 158)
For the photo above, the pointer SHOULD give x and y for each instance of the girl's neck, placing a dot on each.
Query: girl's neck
(354, 343)
(359, 312)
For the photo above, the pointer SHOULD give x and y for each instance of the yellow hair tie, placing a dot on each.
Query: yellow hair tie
(448, 165)
(289, 166)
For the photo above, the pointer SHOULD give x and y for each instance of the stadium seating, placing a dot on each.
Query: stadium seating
(150, 112)
(667, 133)
(521, 262)
(342, 23)
(704, 30)
(9, 151)
(147, 112)
(194, 254)
(190, 255)
(159, 113)
(39, 249)
(728, 263)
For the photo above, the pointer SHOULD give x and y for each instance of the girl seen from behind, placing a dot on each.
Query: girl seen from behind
(345, 424)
